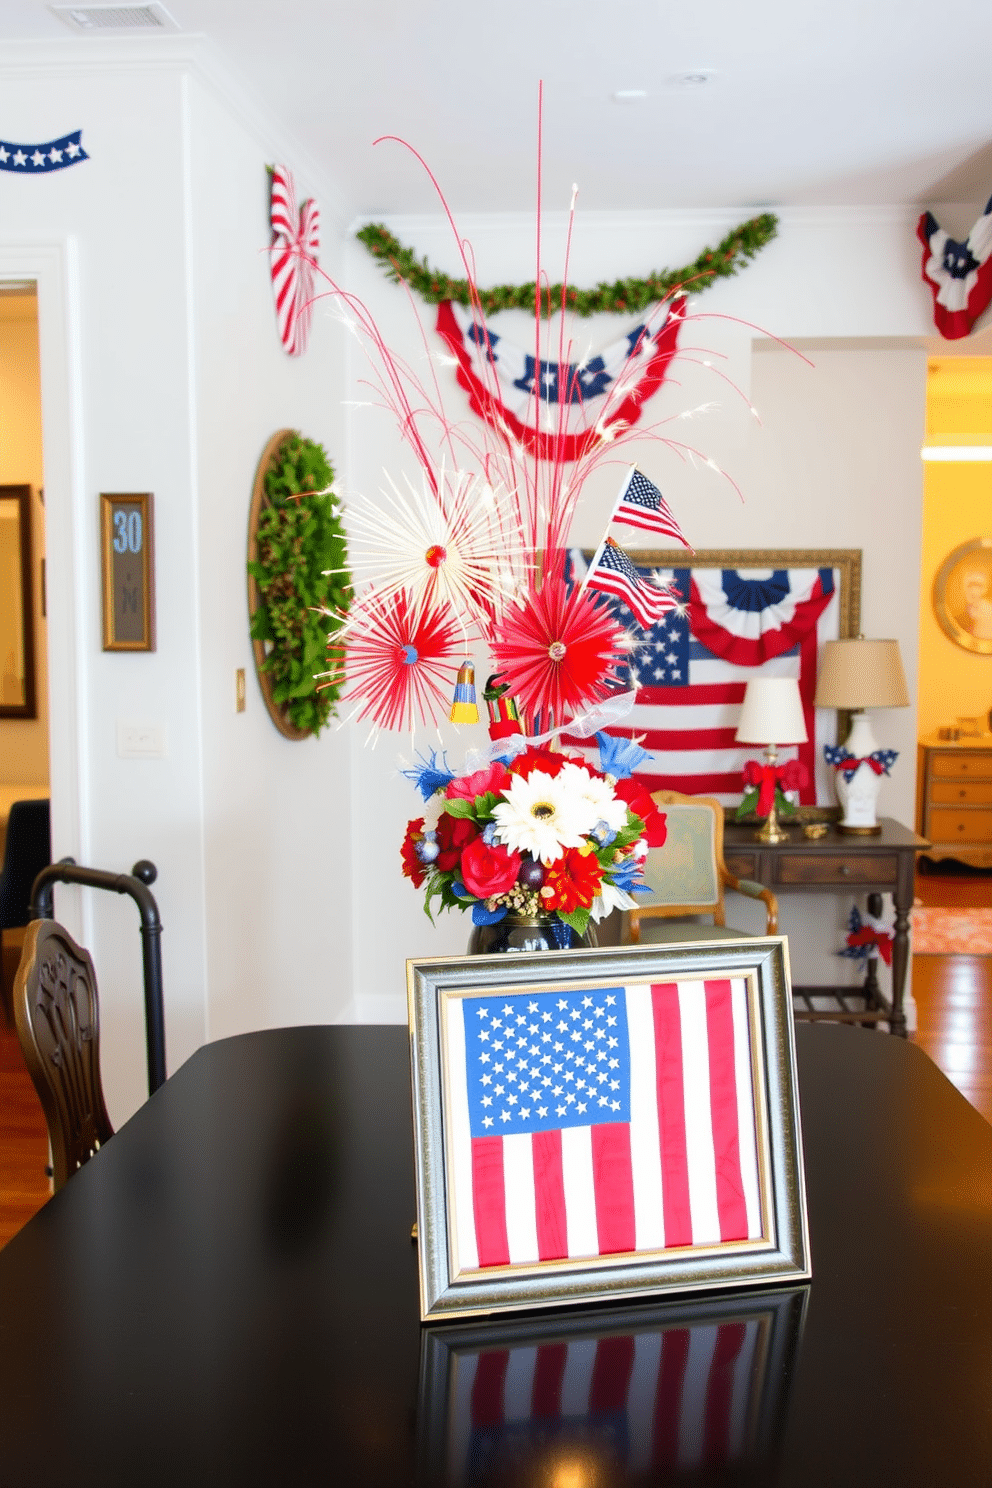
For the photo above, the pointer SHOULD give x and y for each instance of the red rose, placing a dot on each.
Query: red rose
(413, 868)
(494, 778)
(573, 880)
(641, 804)
(487, 871)
(549, 761)
(454, 833)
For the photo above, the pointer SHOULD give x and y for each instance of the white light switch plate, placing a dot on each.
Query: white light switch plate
(140, 740)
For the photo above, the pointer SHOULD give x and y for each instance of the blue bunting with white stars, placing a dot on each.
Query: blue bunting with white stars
(38, 160)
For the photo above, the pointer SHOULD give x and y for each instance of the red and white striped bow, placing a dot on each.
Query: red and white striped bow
(294, 258)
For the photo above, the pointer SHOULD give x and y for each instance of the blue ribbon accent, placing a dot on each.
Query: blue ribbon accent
(39, 160)
(836, 755)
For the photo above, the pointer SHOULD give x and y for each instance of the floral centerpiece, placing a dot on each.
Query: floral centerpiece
(533, 833)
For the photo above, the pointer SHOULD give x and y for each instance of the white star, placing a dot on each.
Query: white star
(72, 149)
(589, 1045)
(611, 1022)
(615, 1105)
(575, 1013)
(55, 156)
(524, 1113)
(599, 1012)
(497, 1023)
(614, 1064)
(600, 1034)
(562, 1004)
(545, 1038)
(37, 158)
(581, 1107)
(504, 1116)
(20, 158)
(511, 1074)
(487, 1100)
(559, 1110)
(614, 1084)
(483, 1035)
(546, 1018)
(601, 1076)
(587, 1002)
(672, 658)
(570, 1099)
(511, 1100)
(613, 1042)
(542, 1111)
(532, 1007)
(576, 1036)
(500, 1089)
(507, 1010)
(497, 1067)
(483, 1058)
(610, 1001)
(497, 1043)
(4, 155)
(557, 1091)
(483, 1012)
(487, 1079)
(603, 1101)
(563, 1026)
(487, 1121)
(580, 1084)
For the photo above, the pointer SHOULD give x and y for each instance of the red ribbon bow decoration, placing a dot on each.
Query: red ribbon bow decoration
(851, 763)
(791, 776)
(880, 939)
(293, 258)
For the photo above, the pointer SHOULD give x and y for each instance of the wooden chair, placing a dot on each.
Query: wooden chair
(688, 876)
(57, 1018)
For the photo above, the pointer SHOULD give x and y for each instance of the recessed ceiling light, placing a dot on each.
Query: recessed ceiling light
(698, 78)
(629, 95)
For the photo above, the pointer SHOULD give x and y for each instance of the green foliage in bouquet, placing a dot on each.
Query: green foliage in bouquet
(301, 571)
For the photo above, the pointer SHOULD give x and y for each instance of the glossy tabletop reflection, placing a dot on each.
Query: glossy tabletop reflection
(227, 1294)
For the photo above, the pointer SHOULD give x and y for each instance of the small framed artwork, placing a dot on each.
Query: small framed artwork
(962, 595)
(602, 1124)
(127, 550)
(17, 680)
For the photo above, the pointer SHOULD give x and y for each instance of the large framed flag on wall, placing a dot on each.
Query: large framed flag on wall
(602, 1124)
(742, 614)
(657, 1392)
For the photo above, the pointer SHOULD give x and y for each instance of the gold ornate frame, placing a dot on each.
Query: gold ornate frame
(958, 617)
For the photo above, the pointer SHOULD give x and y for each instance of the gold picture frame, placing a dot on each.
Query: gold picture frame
(127, 563)
(531, 1196)
(962, 596)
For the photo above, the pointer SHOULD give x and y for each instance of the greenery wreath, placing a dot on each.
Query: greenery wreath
(300, 568)
(730, 255)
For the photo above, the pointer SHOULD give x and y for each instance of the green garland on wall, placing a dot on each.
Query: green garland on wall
(622, 296)
(300, 538)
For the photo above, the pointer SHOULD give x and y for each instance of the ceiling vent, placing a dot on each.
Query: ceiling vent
(87, 20)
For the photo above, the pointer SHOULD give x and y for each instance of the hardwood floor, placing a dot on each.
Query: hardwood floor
(954, 1009)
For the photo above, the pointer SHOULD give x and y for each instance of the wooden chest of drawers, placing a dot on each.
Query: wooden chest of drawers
(955, 799)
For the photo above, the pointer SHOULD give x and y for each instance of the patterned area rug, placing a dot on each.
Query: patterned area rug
(951, 932)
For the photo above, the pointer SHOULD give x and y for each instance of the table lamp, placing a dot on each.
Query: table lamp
(860, 674)
(771, 714)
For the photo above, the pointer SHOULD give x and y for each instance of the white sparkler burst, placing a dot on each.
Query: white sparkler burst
(459, 548)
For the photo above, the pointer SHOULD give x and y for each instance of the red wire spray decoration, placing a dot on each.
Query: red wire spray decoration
(293, 259)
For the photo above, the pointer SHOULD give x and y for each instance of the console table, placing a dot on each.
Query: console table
(885, 863)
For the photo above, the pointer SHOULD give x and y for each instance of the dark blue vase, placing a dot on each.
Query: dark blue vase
(518, 934)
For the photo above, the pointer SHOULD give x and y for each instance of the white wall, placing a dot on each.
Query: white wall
(162, 371)
(834, 464)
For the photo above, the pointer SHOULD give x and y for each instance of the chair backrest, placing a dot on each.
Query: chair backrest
(28, 849)
(57, 1017)
(685, 875)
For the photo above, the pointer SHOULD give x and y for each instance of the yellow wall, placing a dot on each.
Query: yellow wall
(24, 742)
(957, 506)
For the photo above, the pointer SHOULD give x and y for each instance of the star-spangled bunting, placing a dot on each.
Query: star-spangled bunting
(959, 274)
(38, 160)
(295, 243)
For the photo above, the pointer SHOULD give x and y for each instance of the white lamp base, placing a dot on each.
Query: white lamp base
(859, 795)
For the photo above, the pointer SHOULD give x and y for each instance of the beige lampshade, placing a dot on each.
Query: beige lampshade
(772, 712)
(861, 674)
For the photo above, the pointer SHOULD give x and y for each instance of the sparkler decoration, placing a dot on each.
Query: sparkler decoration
(398, 664)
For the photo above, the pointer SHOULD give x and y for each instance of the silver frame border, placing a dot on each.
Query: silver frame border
(785, 1259)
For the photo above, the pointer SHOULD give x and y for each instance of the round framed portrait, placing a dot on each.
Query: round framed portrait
(962, 595)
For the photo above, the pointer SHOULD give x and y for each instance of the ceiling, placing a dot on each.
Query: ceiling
(804, 101)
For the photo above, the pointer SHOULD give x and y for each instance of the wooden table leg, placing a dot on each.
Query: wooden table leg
(903, 902)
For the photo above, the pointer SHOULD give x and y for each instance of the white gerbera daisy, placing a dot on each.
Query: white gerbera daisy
(540, 816)
(596, 797)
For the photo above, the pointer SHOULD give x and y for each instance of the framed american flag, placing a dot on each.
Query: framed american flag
(602, 1124)
(743, 613)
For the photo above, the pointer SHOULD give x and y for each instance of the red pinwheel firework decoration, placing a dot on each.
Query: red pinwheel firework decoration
(295, 244)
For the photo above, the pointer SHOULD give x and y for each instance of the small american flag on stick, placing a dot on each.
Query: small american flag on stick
(612, 572)
(641, 504)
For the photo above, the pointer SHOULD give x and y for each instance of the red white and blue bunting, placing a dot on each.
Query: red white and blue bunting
(295, 244)
(500, 381)
(959, 274)
(39, 160)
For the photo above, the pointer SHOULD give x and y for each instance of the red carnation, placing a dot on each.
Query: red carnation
(487, 871)
(573, 880)
(454, 833)
(494, 778)
(413, 868)
(641, 804)
(549, 761)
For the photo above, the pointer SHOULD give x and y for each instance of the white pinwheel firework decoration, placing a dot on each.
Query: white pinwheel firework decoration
(295, 243)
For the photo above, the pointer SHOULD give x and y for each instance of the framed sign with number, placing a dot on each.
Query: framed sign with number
(128, 562)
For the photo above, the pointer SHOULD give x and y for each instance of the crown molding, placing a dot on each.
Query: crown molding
(190, 54)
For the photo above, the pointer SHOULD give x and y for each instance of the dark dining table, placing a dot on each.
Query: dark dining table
(227, 1294)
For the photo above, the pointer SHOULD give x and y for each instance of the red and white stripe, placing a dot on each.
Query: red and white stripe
(683, 1397)
(683, 1172)
(293, 256)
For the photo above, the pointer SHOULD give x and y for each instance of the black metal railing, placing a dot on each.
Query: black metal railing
(136, 884)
